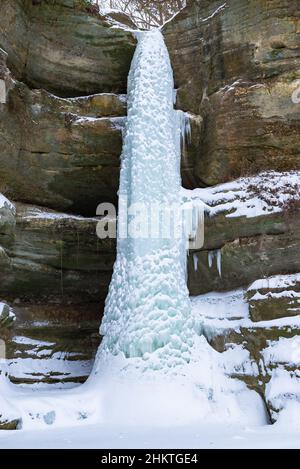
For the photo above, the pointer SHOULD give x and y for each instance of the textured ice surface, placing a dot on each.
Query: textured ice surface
(152, 364)
(148, 307)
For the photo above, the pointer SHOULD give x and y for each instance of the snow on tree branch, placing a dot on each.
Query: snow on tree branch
(146, 14)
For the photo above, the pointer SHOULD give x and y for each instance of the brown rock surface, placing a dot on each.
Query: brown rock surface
(238, 71)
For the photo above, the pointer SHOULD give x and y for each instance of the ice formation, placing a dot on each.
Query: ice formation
(152, 367)
(218, 256)
(156, 367)
(148, 307)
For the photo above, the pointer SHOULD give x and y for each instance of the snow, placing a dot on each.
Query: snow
(282, 389)
(41, 362)
(107, 12)
(203, 436)
(117, 122)
(118, 431)
(289, 418)
(172, 17)
(39, 213)
(3, 312)
(216, 312)
(221, 305)
(264, 194)
(5, 203)
(28, 341)
(284, 294)
(218, 10)
(56, 367)
(284, 350)
(275, 282)
(231, 87)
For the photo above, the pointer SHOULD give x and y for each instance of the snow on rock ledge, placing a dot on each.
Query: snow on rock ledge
(269, 351)
(253, 230)
(267, 193)
(274, 297)
(6, 204)
(7, 215)
(7, 316)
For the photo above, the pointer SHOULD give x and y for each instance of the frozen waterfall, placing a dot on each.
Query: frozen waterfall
(148, 308)
(152, 367)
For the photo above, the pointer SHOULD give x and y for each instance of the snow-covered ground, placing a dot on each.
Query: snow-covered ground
(221, 310)
(196, 436)
(213, 313)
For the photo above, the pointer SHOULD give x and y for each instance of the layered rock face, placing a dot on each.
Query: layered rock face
(236, 64)
(49, 254)
(252, 231)
(57, 45)
(62, 153)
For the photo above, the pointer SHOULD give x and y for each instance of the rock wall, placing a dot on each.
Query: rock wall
(252, 231)
(61, 152)
(58, 46)
(236, 64)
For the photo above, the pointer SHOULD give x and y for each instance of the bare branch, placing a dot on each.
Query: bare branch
(146, 14)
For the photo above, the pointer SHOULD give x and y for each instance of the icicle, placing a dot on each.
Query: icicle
(219, 262)
(185, 129)
(2, 92)
(210, 258)
(195, 259)
(197, 233)
(218, 256)
(174, 96)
